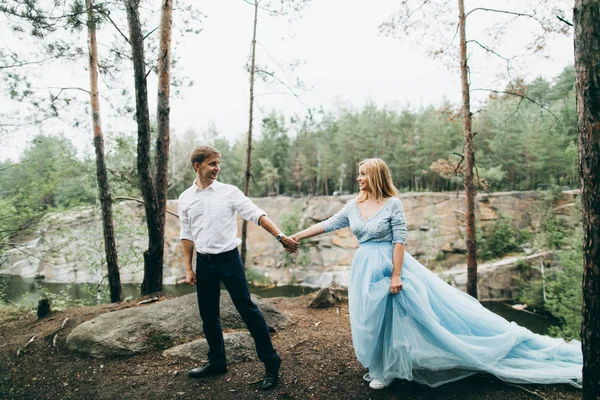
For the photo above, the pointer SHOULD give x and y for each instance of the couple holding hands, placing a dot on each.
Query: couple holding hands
(406, 322)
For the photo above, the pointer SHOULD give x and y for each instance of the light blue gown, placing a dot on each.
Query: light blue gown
(431, 332)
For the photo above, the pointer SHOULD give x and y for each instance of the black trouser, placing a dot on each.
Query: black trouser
(211, 270)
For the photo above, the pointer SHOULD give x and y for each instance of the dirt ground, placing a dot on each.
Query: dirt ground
(318, 363)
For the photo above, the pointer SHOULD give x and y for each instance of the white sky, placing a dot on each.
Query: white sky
(346, 61)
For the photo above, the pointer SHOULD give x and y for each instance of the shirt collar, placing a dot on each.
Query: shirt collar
(213, 186)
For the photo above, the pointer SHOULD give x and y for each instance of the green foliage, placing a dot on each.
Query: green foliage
(564, 295)
(49, 177)
(121, 162)
(64, 299)
(498, 238)
(548, 230)
(562, 283)
(291, 223)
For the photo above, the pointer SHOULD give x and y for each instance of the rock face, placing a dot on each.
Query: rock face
(70, 248)
(497, 280)
(160, 325)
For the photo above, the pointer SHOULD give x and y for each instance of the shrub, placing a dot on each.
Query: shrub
(499, 238)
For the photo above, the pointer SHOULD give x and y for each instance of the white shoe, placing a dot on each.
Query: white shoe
(377, 384)
(367, 377)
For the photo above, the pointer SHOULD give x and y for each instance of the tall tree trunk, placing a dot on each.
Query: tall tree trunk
(153, 257)
(586, 19)
(161, 160)
(469, 157)
(250, 122)
(110, 247)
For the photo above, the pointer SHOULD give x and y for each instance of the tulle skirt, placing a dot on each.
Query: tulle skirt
(433, 333)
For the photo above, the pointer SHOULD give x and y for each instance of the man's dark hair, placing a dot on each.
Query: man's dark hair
(201, 153)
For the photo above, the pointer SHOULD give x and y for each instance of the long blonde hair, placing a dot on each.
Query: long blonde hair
(379, 181)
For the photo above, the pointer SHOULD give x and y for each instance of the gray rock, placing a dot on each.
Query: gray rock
(323, 207)
(328, 297)
(239, 347)
(459, 246)
(160, 325)
(325, 279)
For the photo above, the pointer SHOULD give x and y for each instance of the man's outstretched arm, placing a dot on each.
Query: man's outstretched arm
(290, 244)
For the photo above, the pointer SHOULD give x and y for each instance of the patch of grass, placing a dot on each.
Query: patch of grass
(10, 311)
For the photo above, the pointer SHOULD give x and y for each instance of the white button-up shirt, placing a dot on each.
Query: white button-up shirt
(207, 217)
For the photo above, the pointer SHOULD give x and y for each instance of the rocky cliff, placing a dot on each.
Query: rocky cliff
(69, 248)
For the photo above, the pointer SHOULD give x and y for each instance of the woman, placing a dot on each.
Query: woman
(408, 323)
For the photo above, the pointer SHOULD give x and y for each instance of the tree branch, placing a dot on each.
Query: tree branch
(26, 63)
(116, 27)
(453, 37)
(506, 12)
(292, 92)
(527, 390)
(462, 157)
(488, 49)
(66, 88)
(564, 20)
(261, 7)
(142, 202)
(150, 33)
(522, 96)
(120, 175)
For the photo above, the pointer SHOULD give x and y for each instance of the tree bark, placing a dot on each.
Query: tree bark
(250, 122)
(586, 20)
(161, 160)
(469, 157)
(153, 257)
(110, 247)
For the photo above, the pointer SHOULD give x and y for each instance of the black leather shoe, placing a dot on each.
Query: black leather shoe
(270, 382)
(207, 370)
(271, 375)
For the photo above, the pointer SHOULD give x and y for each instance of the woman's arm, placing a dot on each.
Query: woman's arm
(314, 230)
(398, 258)
(338, 221)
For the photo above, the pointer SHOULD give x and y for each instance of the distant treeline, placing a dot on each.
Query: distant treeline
(524, 141)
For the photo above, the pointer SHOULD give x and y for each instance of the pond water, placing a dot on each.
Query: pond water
(27, 292)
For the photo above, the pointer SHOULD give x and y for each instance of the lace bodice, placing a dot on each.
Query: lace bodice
(387, 225)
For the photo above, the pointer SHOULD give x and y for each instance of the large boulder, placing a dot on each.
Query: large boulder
(160, 325)
(239, 347)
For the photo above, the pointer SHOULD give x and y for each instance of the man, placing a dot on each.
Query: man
(208, 226)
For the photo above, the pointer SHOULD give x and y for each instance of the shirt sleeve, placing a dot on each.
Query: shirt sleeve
(185, 230)
(246, 208)
(337, 221)
(398, 220)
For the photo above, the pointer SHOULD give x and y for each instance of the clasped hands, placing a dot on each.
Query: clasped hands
(290, 243)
